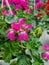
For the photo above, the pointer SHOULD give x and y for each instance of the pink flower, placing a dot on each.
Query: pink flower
(21, 28)
(28, 10)
(24, 3)
(15, 26)
(10, 2)
(22, 22)
(4, 2)
(37, 0)
(29, 26)
(46, 55)
(5, 12)
(10, 34)
(18, 7)
(20, 37)
(16, 1)
(23, 36)
(46, 46)
(13, 12)
(39, 5)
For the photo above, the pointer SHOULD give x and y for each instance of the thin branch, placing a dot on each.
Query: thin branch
(34, 7)
(7, 3)
(2, 4)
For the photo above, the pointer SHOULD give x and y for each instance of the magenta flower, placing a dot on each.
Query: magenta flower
(21, 28)
(18, 7)
(46, 46)
(15, 26)
(5, 12)
(13, 12)
(24, 3)
(46, 55)
(37, 0)
(10, 2)
(22, 22)
(28, 10)
(10, 34)
(39, 5)
(4, 2)
(23, 36)
(29, 26)
(16, 1)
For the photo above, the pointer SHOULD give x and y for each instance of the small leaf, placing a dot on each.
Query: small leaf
(10, 18)
(23, 60)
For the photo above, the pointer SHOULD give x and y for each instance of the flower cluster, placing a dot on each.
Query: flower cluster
(39, 4)
(43, 5)
(21, 35)
(21, 28)
(18, 4)
(5, 12)
(40, 14)
(47, 7)
(45, 55)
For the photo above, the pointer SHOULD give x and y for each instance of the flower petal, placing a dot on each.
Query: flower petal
(22, 22)
(29, 26)
(20, 37)
(18, 7)
(25, 36)
(48, 57)
(24, 3)
(44, 55)
(28, 10)
(10, 34)
(15, 26)
(46, 46)
(16, 1)
(37, 0)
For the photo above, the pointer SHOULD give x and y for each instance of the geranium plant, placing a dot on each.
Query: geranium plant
(21, 25)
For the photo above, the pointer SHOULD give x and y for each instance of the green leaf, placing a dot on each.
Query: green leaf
(15, 48)
(10, 18)
(37, 63)
(14, 63)
(48, 19)
(7, 57)
(23, 60)
(22, 14)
